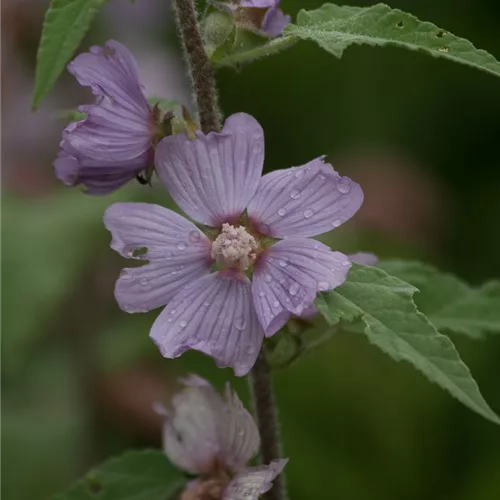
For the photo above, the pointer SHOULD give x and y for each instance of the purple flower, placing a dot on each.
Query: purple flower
(263, 16)
(114, 142)
(214, 178)
(214, 438)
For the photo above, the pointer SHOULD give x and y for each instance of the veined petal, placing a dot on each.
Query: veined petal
(304, 201)
(214, 315)
(120, 125)
(238, 433)
(250, 483)
(213, 177)
(179, 253)
(111, 71)
(289, 275)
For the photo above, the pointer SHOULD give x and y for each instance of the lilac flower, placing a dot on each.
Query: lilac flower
(214, 178)
(214, 438)
(263, 16)
(114, 142)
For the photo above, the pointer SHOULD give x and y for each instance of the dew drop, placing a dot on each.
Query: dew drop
(308, 213)
(170, 320)
(264, 228)
(283, 263)
(206, 304)
(281, 212)
(181, 245)
(346, 263)
(268, 278)
(194, 236)
(323, 285)
(262, 294)
(183, 324)
(322, 177)
(240, 323)
(173, 311)
(295, 194)
(299, 173)
(293, 289)
(144, 282)
(276, 303)
(336, 223)
(343, 186)
(168, 255)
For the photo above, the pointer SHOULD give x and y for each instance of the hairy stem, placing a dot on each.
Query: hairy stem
(267, 421)
(199, 66)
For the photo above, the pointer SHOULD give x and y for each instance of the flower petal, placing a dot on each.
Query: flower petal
(214, 315)
(275, 21)
(178, 251)
(213, 177)
(120, 125)
(239, 436)
(250, 483)
(191, 429)
(289, 275)
(304, 201)
(364, 258)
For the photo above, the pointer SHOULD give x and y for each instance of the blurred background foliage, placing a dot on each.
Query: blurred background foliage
(420, 135)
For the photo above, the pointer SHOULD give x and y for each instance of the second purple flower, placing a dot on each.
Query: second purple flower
(213, 306)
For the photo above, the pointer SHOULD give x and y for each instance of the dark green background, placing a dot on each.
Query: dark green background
(420, 134)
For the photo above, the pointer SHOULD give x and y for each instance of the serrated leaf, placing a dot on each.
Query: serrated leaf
(66, 23)
(136, 475)
(450, 303)
(335, 27)
(392, 323)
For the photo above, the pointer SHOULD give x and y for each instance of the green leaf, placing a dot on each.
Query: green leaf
(392, 323)
(66, 23)
(136, 475)
(71, 115)
(450, 303)
(335, 27)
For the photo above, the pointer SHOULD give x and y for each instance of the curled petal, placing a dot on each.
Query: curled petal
(250, 483)
(178, 252)
(275, 21)
(223, 430)
(239, 436)
(289, 275)
(191, 429)
(214, 315)
(304, 201)
(213, 177)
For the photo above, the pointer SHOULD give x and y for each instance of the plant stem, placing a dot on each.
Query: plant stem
(199, 66)
(267, 421)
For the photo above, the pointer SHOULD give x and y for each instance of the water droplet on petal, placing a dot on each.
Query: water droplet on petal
(240, 323)
(293, 289)
(168, 255)
(323, 285)
(173, 311)
(294, 194)
(322, 177)
(343, 185)
(183, 324)
(308, 213)
(268, 278)
(181, 245)
(194, 236)
(346, 263)
(264, 228)
(206, 304)
(144, 282)
(276, 303)
(336, 223)
(262, 294)
(299, 173)
(281, 212)
(283, 263)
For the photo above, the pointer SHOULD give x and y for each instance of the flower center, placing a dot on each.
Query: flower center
(234, 247)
